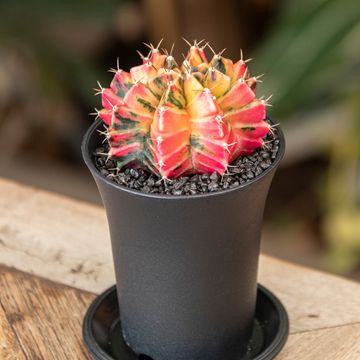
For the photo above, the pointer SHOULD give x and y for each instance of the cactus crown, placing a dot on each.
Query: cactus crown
(174, 120)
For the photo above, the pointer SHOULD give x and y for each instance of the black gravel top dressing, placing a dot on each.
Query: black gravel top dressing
(242, 170)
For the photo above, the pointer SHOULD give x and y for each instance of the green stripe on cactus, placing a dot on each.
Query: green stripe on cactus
(218, 64)
(195, 142)
(119, 90)
(124, 124)
(171, 98)
(156, 95)
(122, 161)
(146, 104)
(159, 83)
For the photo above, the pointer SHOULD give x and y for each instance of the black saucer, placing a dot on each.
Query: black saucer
(102, 325)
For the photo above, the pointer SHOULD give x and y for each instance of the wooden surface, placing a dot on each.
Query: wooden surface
(41, 319)
(67, 241)
(55, 237)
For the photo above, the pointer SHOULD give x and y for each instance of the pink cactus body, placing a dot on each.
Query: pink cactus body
(176, 121)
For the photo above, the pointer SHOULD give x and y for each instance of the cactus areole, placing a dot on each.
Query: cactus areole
(176, 120)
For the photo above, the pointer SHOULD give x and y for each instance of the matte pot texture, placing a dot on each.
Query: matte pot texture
(186, 266)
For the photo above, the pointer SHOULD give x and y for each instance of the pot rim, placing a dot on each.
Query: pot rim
(95, 172)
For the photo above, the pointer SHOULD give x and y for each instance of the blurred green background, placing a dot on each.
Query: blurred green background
(53, 52)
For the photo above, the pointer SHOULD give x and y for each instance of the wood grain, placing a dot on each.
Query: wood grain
(40, 319)
(337, 343)
(10, 348)
(52, 236)
(313, 299)
(67, 241)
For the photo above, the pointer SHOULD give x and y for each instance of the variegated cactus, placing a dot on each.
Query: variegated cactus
(178, 120)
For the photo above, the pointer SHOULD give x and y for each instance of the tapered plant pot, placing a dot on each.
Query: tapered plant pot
(186, 266)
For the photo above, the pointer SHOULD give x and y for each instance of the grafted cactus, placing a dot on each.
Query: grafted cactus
(178, 120)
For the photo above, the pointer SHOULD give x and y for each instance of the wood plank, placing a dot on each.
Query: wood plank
(10, 348)
(53, 236)
(67, 241)
(339, 343)
(313, 299)
(46, 317)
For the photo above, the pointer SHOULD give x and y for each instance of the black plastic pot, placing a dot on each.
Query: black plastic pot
(186, 266)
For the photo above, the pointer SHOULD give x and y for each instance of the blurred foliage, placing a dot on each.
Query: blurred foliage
(60, 36)
(342, 195)
(311, 60)
(311, 56)
(50, 59)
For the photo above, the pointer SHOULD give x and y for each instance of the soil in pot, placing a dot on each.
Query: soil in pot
(242, 170)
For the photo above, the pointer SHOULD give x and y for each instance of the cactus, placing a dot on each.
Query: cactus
(178, 120)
